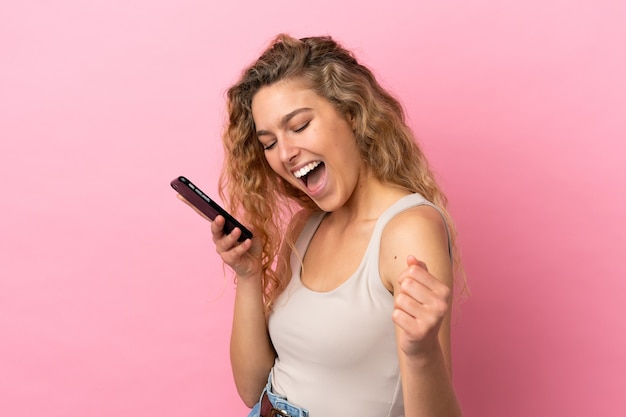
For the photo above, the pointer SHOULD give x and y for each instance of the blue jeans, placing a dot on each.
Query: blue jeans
(278, 402)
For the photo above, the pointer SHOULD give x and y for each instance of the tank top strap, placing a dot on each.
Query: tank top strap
(404, 203)
(302, 242)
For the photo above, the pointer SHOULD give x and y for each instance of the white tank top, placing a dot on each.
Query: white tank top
(337, 353)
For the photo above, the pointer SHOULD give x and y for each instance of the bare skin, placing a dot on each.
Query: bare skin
(299, 130)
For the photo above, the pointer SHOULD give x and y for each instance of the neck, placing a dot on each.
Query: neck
(369, 200)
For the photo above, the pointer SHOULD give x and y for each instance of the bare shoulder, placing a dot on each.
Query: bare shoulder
(422, 222)
(419, 231)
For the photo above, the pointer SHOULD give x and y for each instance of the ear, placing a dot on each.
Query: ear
(352, 120)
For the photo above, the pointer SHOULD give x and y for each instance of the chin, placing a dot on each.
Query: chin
(328, 204)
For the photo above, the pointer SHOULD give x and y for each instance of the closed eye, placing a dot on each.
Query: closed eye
(269, 146)
(302, 127)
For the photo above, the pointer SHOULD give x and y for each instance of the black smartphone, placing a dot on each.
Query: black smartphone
(206, 205)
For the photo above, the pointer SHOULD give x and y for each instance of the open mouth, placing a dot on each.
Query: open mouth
(310, 174)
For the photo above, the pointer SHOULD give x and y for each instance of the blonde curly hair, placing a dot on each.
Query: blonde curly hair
(263, 199)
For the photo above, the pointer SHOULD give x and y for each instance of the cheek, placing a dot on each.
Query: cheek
(274, 163)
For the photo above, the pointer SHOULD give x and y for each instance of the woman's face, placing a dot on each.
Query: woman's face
(308, 142)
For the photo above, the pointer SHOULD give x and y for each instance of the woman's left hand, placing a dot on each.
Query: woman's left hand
(421, 302)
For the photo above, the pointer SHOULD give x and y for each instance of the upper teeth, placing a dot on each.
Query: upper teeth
(306, 169)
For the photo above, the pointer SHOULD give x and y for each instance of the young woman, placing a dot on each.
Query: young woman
(343, 307)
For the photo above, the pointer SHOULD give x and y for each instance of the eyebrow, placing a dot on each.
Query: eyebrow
(285, 119)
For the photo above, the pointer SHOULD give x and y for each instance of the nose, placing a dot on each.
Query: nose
(287, 151)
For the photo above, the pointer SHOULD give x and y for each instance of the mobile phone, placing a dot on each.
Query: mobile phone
(206, 205)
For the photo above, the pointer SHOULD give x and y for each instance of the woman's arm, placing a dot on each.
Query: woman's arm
(416, 265)
(252, 354)
(251, 351)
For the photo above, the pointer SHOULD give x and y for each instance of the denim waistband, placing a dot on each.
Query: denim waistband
(279, 402)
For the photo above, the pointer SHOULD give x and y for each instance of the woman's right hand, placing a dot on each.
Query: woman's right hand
(243, 257)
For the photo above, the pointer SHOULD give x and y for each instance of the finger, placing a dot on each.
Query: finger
(413, 261)
(416, 330)
(413, 316)
(413, 294)
(405, 321)
(418, 271)
(226, 242)
(235, 253)
(418, 301)
(424, 288)
(184, 200)
(217, 227)
(408, 303)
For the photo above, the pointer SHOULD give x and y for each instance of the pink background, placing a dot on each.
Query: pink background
(112, 301)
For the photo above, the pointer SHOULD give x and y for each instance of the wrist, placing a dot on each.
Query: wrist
(249, 273)
(426, 356)
(248, 280)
